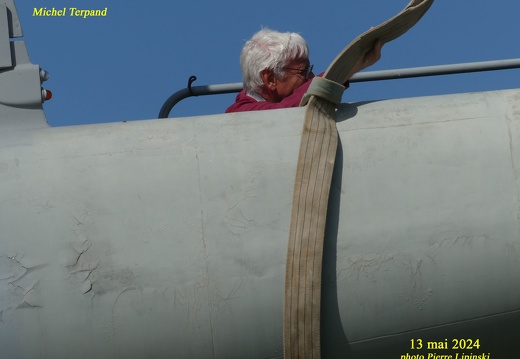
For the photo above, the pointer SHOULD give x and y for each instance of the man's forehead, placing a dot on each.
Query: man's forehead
(300, 62)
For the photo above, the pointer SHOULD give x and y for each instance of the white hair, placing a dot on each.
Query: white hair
(269, 49)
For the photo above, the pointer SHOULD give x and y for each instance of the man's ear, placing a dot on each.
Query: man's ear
(269, 79)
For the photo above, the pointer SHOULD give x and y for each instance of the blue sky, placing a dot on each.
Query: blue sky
(124, 66)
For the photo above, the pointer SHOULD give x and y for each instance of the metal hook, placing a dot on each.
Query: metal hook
(190, 81)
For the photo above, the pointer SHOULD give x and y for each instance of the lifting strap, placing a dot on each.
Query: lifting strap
(312, 185)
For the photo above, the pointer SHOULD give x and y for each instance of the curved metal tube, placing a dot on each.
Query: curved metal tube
(359, 77)
(197, 91)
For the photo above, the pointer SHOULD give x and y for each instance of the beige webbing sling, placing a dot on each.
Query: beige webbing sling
(313, 179)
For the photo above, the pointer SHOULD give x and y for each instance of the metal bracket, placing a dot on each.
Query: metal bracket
(9, 28)
(5, 46)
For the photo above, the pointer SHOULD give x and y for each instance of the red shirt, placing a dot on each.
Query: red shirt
(244, 102)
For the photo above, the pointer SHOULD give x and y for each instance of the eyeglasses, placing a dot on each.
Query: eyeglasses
(302, 72)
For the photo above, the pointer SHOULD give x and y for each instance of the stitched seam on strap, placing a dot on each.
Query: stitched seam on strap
(324, 88)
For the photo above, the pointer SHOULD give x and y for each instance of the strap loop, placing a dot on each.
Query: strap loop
(324, 88)
(302, 310)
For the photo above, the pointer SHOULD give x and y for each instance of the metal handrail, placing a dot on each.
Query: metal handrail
(359, 77)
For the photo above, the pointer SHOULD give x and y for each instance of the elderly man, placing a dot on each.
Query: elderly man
(276, 71)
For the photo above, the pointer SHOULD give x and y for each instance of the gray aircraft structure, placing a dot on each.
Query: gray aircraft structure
(167, 238)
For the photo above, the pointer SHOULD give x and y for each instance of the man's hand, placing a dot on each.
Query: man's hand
(370, 58)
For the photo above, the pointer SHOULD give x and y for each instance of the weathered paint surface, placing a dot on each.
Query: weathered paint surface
(167, 238)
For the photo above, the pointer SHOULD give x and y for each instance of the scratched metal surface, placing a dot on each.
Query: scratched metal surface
(145, 238)
(167, 238)
(429, 230)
